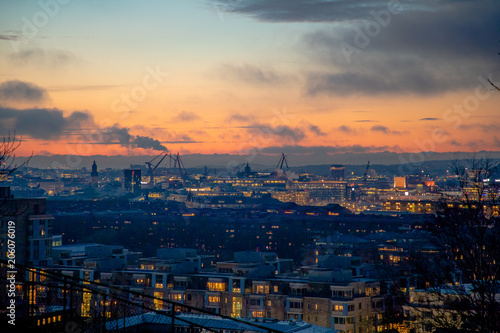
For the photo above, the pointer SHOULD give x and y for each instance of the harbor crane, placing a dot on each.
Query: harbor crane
(281, 161)
(153, 169)
(179, 164)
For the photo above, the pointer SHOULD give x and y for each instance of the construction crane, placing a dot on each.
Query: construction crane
(237, 169)
(281, 161)
(153, 169)
(182, 170)
(365, 176)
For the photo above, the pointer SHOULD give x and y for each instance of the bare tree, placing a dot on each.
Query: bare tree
(460, 278)
(8, 165)
(494, 85)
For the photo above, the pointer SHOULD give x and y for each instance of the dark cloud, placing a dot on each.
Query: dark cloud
(19, 91)
(430, 52)
(482, 127)
(311, 10)
(238, 118)
(316, 130)
(366, 121)
(380, 128)
(429, 119)
(47, 124)
(455, 143)
(325, 149)
(43, 58)
(373, 81)
(11, 36)
(346, 129)
(186, 116)
(384, 129)
(53, 124)
(252, 74)
(269, 133)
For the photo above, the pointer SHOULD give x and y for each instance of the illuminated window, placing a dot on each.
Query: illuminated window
(339, 307)
(86, 304)
(158, 302)
(258, 314)
(216, 286)
(213, 299)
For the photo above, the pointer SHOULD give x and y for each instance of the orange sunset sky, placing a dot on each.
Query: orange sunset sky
(138, 77)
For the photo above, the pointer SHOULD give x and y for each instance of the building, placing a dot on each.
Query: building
(26, 223)
(300, 197)
(187, 323)
(94, 176)
(322, 191)
(400, 182)
(337, 172)
(131, 181)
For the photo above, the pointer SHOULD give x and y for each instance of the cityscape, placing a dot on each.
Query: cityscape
(262, 166)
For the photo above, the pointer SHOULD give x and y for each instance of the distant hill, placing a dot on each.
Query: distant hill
(382, 163)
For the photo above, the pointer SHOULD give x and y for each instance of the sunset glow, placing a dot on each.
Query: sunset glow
(230, 76)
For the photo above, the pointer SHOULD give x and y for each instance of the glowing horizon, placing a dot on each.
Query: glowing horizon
(215, 77)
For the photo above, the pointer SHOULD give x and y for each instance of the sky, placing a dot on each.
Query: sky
(249, 76)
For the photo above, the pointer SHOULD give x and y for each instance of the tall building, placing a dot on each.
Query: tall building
(131, 181)
(337, 172)
(26, 223)
(94, 176)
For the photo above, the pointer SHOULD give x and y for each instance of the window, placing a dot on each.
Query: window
(213, 299)
(269, 303)
(260, 289)
(258, 314)
(216, 286)
(158, 302)
(350, 308)
(339, 320)
(180, 284)
(296, 305)
(338, 307)
(254, 301)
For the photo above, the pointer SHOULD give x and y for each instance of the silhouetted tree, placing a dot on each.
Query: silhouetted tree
(461, 287)
(8, 146)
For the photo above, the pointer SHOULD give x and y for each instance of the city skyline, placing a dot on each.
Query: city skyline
(233, 77)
